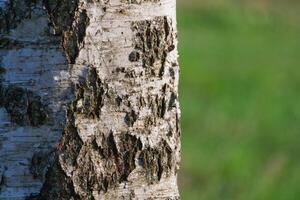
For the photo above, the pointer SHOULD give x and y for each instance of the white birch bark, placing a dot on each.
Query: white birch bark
(89, 99)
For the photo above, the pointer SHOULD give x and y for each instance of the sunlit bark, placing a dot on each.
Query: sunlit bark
(88, 99)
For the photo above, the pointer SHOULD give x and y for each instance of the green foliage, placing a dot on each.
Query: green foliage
(240, 101)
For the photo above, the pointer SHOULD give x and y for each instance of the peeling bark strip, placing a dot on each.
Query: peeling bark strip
(117, 82)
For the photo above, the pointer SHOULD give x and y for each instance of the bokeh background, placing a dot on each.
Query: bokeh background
(240, 99)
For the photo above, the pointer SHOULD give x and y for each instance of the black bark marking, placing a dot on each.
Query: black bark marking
(23, 106)
(178, 124)
(36, 111)
(157, 161)
(119, 101)
(139, 1)
(73, 38)
(129, 148)
(92, 93)
(134, 56)
(130, 118)
(172, 73)
(2, 178)
(118, 156)
(173, 100)
(71, 143)
(2, 70)
(16, 103)
(112, 146)
(57, 186)
(61, 14)
(154, 39)
(69, 23)
(117, 152)
(39, 164)
(161, 107)
(14, 12)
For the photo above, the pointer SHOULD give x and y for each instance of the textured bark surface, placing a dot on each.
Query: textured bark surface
(88, 99)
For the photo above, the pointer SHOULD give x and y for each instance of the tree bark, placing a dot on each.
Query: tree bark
(88, 99)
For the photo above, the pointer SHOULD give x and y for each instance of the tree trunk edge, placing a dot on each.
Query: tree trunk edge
(121, 138)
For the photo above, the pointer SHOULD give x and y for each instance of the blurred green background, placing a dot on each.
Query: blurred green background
(240, 99)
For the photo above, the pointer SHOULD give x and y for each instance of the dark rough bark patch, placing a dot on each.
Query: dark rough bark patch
(11, 15)
(170, 132)
(124, 157)
(117, 154)
(130, 118)
(68, 22)
(24, 107)
(153, 41)
(85, 176)
(173, 100)
(157, 105)
(178, 124)
(99, 1)
(139, 1)
(36, 111)
(119, 101)
(61, 14)
(157, 161)
(172, 73)
(56, 186)
(134, 56)
(71, 143)
(73, 38)
(107, 149)
(14, 12)
(39, 164)
(129, 148)
(111, 145)
(167, 198)
(119, 159)
(161, 110)
(2, 70)
(116, 151)
(91, 93)
(2, 178)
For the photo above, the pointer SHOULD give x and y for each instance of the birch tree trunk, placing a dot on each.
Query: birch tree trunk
(88, 100)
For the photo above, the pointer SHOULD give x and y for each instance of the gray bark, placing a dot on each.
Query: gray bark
(88, 99)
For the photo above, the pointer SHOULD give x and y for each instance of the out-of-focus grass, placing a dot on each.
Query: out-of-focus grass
(240, 101)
